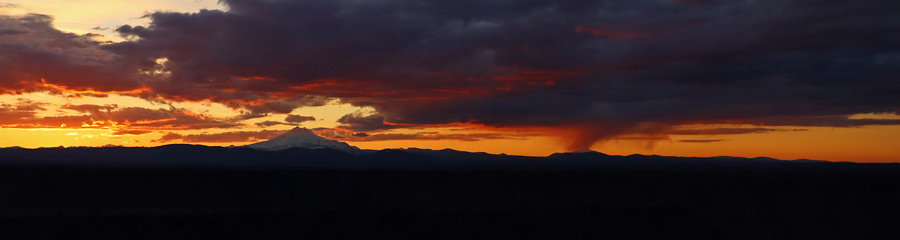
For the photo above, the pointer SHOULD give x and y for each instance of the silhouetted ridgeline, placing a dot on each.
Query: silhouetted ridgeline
(197, 192)
(194, 156)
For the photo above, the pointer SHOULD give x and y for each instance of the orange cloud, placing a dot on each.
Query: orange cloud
(43, 85)
(226, 137)
(110, 117)
(131, 132)
(726, 131)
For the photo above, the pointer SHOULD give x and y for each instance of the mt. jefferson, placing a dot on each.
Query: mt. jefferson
(302, 137)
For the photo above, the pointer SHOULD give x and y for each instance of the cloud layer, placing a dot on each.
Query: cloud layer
(587, 70)
(125, 120)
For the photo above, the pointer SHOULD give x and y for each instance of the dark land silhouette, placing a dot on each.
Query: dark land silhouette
(199, 192)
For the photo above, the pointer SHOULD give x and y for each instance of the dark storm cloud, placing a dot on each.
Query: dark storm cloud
(591, 70)
(298, 119)
(826, 121)
(34, 54)
(359, 121)
(268, 123)
(360, 134)
(12, 31)
(290, 120)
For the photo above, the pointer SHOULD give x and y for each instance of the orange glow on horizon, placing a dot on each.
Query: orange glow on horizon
(862, 144)
(816, 144)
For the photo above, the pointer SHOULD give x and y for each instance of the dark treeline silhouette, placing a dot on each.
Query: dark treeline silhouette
(197, 192)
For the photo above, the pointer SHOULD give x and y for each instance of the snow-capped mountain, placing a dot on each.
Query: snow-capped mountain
(302, 137)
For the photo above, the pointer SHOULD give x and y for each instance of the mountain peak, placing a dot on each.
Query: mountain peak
(296, 132)
(302, 137)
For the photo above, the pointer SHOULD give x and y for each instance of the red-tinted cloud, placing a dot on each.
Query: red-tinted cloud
(38, 57)
(15, 113)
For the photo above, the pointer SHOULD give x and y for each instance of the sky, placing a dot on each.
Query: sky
(788, 79)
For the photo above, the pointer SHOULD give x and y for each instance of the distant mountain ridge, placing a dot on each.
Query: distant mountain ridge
(301, 147)
(323, 156)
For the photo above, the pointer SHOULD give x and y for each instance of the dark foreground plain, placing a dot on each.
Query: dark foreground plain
(613, 201)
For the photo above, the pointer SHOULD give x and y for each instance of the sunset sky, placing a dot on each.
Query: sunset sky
(788, 79)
